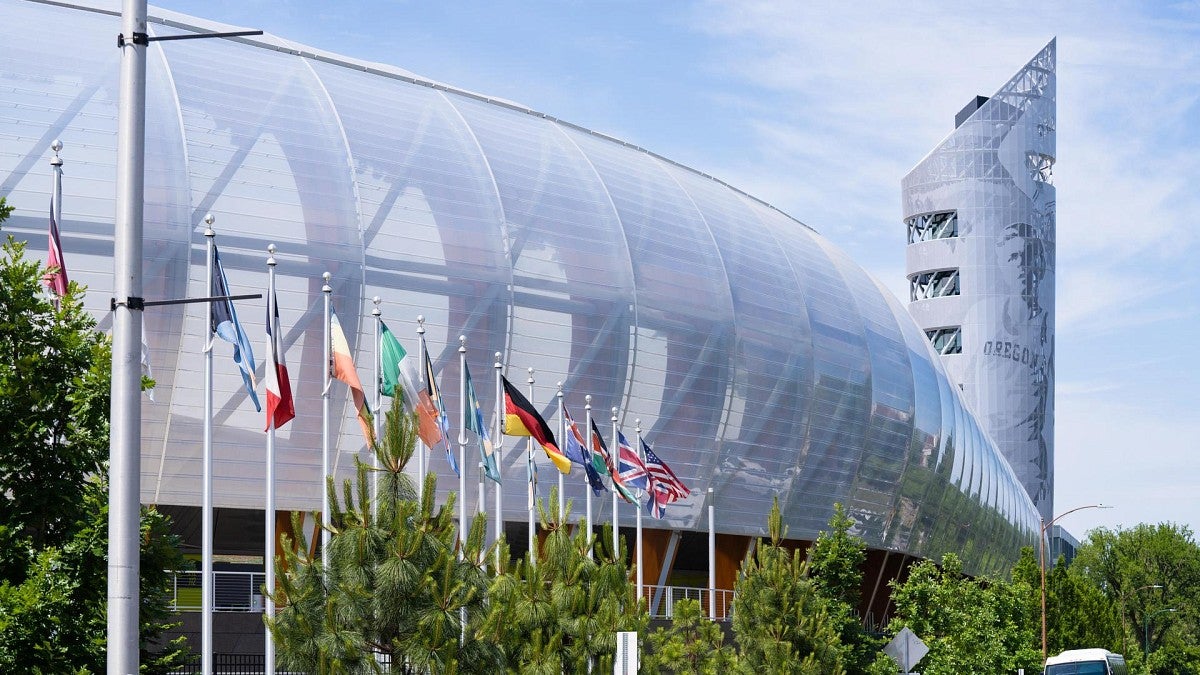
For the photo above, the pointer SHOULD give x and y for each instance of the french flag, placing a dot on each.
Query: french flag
(280, 407)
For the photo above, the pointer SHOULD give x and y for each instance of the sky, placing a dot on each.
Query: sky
(820, 108)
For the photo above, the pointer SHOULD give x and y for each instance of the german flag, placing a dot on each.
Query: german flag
(520, 419)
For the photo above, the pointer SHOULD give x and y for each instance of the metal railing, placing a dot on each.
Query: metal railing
(232, 591)
(242, 592)
(662, 599)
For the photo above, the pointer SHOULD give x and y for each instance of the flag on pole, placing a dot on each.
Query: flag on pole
(576, 446)
(146, 371)
(342, 368)
(473, 422)
(398, 369)
(431, 400)
(654, 506)
(280, 406)
(521, 419)
(662, 478)
(56, 266)
(605, 461)
(630, 467)
(226, 326)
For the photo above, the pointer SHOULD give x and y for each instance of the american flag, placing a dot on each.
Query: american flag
(662, 478)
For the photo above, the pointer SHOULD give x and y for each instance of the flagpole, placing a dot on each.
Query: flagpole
(562, 435)
(56, 165)
(269, 510)
(480, 499)
(615, 466)
(325, 516)
(638, 546)
(532, 480)
(206, 517)
(424, 386)
(712, 558)
(378, 314)
(588, 434)
(499, 524)
(125, 435)
(462, 444)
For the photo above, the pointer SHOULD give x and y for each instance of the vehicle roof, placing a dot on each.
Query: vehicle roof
(1073, 655)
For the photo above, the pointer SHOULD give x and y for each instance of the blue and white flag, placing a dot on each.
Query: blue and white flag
(225, 325)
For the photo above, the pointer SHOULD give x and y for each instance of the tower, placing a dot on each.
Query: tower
(979, 210)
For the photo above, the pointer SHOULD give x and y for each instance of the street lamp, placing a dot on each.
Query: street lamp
(1146, 634)
(1042, 561)
(1121, 598)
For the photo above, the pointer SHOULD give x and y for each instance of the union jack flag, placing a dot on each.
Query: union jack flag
(630, 466)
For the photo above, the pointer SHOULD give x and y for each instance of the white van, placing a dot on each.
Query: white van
(1086, 662)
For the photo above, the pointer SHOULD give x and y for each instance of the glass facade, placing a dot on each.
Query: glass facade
(994, 174)
(760, 361)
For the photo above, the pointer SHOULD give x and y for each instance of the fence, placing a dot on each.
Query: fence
(242, 592)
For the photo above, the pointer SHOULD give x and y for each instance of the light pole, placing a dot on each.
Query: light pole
(1042, 561)
(1146, 634)
(1121, 598)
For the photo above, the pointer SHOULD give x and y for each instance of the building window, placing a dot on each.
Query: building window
(1041, 167)
(936, 284)
(946, 340)
(928, 226)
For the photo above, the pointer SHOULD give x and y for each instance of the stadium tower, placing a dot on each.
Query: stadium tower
(979, 210)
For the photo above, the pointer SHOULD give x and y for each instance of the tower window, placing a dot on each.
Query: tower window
(936, 284)
(928, 226)
(946, 340)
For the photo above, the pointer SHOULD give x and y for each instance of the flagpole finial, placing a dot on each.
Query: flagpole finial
(637, 425)
(270, 255)
(588, 401)
(326, 288)
(420, 324)
(560, 390)
(209, 219)
(530, 374)
(462, 344)
(56, 146)
(376, 312)
(614, 414)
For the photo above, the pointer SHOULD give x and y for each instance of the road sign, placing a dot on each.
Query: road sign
(906, 649)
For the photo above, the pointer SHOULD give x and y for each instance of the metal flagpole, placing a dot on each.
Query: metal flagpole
(269, 511)
(587, 434)
(327, 381)
(462, 444)
(499, 524)
(56, 165)
(562, 435)
(614, 463)
(378, 314)
(480, 498)
(532, 484)
(206, 516)
(424, 385)
(124, 497)
(712, 557)
(638, 507)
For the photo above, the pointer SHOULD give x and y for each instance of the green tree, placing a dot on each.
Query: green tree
(835, 563)
(970, 625)
(54, 407)
(395, 585)
(563, 613)
(780, 620)
(692, 644)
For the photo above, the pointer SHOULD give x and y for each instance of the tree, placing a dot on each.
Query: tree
(779, 618)
(835, 563)
(563, 613)
(54, 407)
(692, 644)
(970, 625)
(395, 585)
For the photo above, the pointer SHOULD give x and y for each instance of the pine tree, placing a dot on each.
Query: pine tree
(395, 589)
(691, 644)
(563, 614)
(779, 619)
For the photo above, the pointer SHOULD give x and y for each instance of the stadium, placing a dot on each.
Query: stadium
(761, 362)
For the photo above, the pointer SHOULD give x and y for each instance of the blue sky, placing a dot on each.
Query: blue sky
(821, 108)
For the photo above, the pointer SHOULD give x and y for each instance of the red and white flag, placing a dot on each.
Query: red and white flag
(56, 268)
(280, 407)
